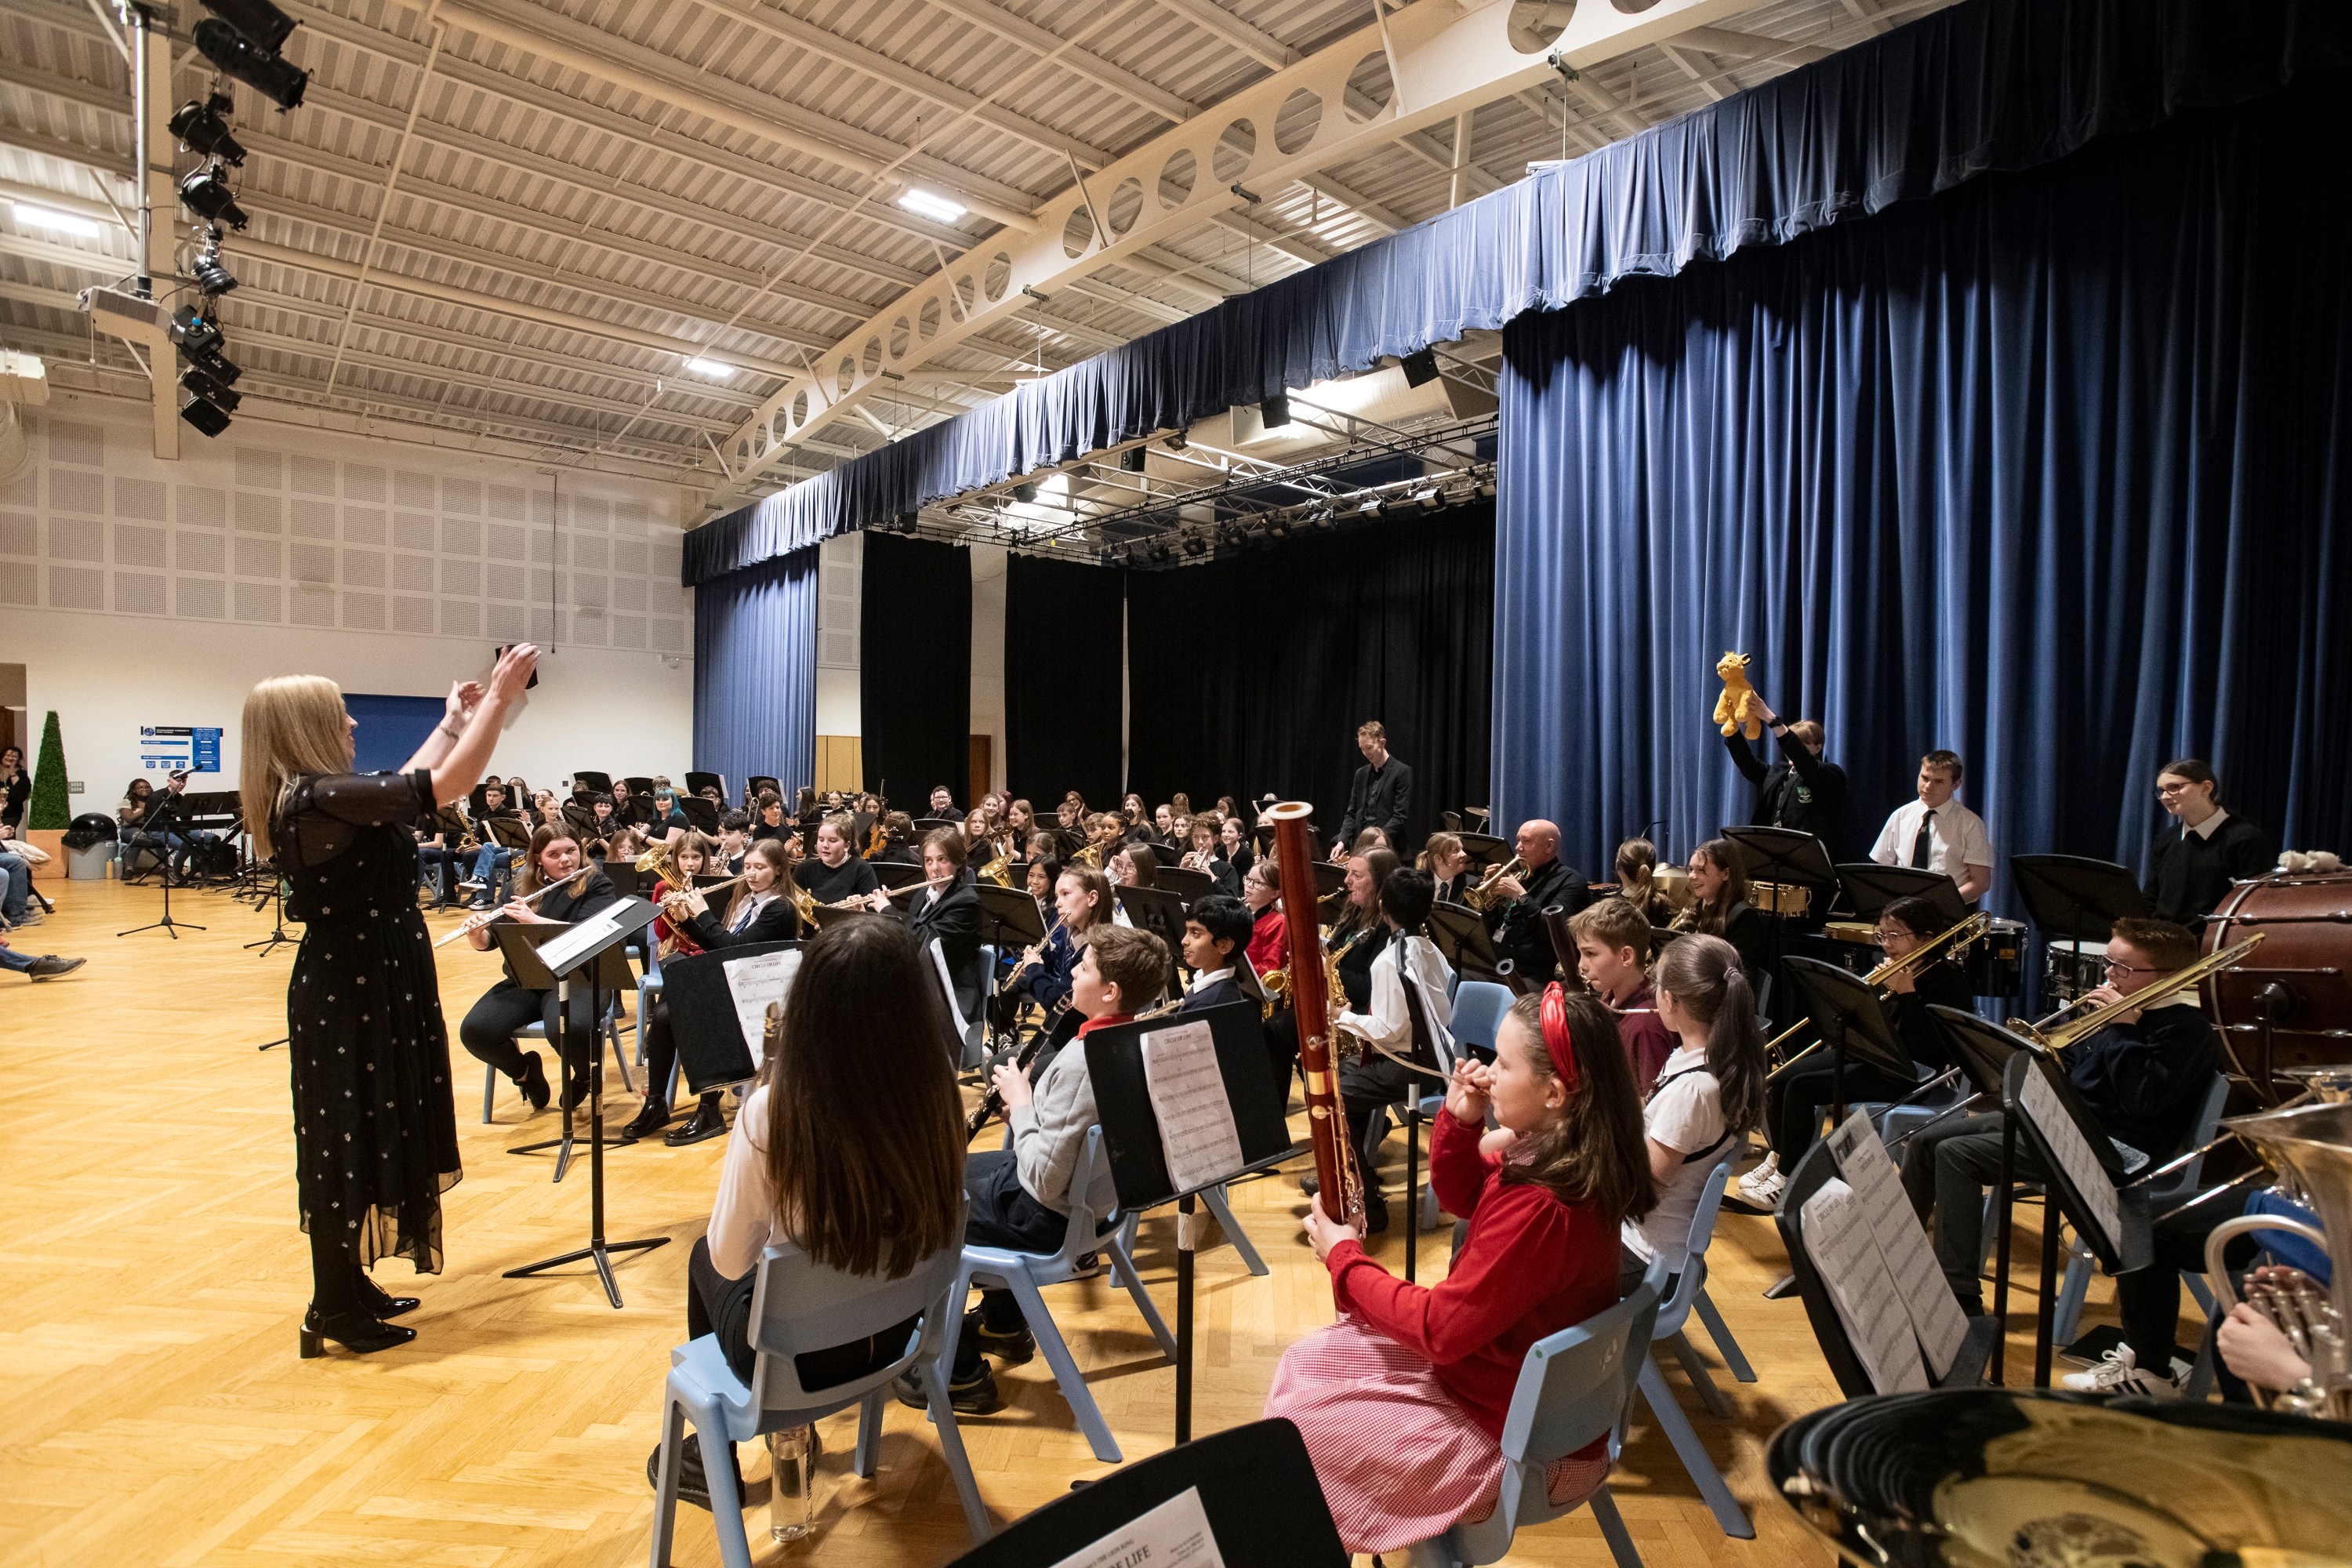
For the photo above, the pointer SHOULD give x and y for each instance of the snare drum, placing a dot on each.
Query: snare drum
(1781, 899)
(1995, 962)
(2067, 974)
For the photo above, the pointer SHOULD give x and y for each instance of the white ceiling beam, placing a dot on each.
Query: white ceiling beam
(1696, 67)
(1751, 46)
(1223, 24)
(1363, 206)
(1079, 61)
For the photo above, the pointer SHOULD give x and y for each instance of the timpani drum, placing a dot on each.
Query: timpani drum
(2289, 1005)
(1995, 962)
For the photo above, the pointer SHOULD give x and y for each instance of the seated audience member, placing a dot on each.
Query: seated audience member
(35, 966)
(850, 1148)
(1402, 1402)
(1021, 1197)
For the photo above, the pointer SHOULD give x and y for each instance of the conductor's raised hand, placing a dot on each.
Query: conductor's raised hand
(1467, 1097)
(459, 707)
(514, 671)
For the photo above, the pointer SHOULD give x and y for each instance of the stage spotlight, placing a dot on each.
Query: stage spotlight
(1025, 494)
(200, 381)
(1487, 489)
(1161, 552)
(1431, 499)
(1274, 412)
(201, 129)
(195, 330)
(1420, 369)
(1176, 441)
(204, 414)
(207, 195)
(264, 25)
(1195, 546)
(1131, 460)
(278, 80)
(211, 274)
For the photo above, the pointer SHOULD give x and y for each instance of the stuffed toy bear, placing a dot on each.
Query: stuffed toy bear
(1738, 706)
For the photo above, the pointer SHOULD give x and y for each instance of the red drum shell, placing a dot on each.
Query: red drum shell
(2307, 954)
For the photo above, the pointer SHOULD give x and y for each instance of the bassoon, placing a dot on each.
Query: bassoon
(1327, 1127)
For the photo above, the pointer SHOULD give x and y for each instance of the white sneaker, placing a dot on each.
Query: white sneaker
(2119, 1371)
(1762, 1185)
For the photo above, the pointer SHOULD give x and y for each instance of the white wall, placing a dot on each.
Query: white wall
(137, 592)
(988, 653)
(840, 708)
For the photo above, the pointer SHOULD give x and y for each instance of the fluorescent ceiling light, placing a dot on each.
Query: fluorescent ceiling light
(67, 222)
(709, 367)
(922, 204)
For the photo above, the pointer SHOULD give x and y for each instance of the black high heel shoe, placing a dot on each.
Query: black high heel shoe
(358, 1332)
(379, 1306)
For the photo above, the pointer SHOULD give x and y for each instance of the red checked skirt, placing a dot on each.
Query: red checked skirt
(1398, 1459)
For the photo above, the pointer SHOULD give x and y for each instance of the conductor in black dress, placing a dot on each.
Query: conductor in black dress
(376, 1128)
(1801, 791)
(1382, 794)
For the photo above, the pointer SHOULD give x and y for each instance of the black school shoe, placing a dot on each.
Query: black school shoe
(1011, 1348)
(974, 1396)
(709, 1122)
(693, 1483)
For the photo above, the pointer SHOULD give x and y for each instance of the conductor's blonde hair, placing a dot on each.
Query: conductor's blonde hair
(294, 724)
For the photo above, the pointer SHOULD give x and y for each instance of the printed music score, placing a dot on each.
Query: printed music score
(1937, 1318)
(1188, 1099)
(1845, 1253)
(755, 981)
(1176, 1534)
(2063, 1134)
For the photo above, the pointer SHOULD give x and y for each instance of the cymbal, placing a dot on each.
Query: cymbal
(1996, 1478)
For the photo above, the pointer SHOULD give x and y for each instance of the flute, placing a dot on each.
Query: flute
(481, 918)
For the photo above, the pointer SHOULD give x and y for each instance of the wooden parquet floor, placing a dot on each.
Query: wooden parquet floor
(152, 1278)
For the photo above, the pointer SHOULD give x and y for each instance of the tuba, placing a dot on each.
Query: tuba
(2311, 1148)
(1327, 1132)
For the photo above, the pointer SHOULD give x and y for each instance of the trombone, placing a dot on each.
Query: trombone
(2047, 1035)
(1969, 930)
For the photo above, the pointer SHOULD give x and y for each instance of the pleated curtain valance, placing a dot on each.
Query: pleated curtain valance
(1984, 86)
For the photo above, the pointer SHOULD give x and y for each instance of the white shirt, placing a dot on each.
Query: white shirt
(1203, 978)
(1388, 1023)
(1956, 838)
(1687, 1116)
(743, 1218)
(749, 909)
(2211, 825)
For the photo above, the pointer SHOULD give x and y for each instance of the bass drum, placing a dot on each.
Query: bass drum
(2289, 1005)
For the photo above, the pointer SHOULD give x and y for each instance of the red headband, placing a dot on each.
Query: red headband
(1557, 1043)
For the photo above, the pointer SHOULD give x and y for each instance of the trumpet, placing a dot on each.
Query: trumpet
(2048, 1035)
(1482, 897)
(1918, 958)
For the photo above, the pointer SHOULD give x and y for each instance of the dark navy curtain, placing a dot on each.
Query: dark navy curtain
(2052, 470)
(914, 677)
(1251, 675)
(1987, 85)
(1064, 641)
(755, 672)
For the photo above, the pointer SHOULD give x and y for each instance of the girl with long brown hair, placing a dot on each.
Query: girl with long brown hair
(1719, 906)
(375, 1130)
(1402, 1402)
(850, 1148)
(554, 861)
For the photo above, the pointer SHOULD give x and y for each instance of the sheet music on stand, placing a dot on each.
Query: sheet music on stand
(755, 982)
(1845, 1252)
(2063, 1136)
(1911, 1268)
(1197, 1133)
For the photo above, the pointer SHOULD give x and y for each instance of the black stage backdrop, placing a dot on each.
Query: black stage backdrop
(1062, 681)
(1252, 674)
(914, 681)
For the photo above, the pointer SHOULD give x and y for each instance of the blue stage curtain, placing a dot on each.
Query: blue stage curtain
(755, 672)
(2052, 470)
(1984, 86)
(1250, 675)
(914, 670)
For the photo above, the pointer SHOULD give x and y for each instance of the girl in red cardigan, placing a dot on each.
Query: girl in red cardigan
(1401, 1401)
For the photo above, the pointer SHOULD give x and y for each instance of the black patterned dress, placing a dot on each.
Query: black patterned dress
(376, 1128)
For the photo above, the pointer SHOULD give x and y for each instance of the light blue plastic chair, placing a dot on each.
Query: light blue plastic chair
(799, 1307)
(1573, 1387)
(1215, 1201)
(1478, 1009)
(1096, 1225)
(2066, 1316)
(536, 1031)
(1690, 1295)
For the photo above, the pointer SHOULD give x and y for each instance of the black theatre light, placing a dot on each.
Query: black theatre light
(279, 80)
(1025, 494)
(1275, 411)
(1420, 369)
(213, 276)
(200, 128)
(1131, 460)
(194, 331)
(200, 381)
(264, 25)
(207, 195)
(1176, 441)
(204, 414)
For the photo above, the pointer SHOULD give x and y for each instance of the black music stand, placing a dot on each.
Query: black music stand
(1165, 853)
(713, 1048)
(1460, 933)
(593, 957)
(1159, 911)
(210, 804)
(590, 782)
(520, 945)
(1008, 916)
(1785, 855)
(1138, 1163)
(924, 824)
(1851, 1019)
(167, 805)
(1871, 887)
(624, 876)
(1984, 1052)
(1486, 849)
(696, 782)
(2072, 899)
(701, 816)
(2065, 1193)
(895, 874)
(1328, 877)
(1186, 884)
(1234, 1473)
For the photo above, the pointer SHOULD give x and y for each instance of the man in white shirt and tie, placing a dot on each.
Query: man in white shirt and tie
(1936, 833)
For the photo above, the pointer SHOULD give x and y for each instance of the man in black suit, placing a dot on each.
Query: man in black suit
(1382, 794)
(2202, 850)
(1216, 927)
(1801, 791)
(1515, 920)
(950, 915)
(943, 804)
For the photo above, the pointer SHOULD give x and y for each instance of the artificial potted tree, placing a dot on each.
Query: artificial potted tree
(46, 818)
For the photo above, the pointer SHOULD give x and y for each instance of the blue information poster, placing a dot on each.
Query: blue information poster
(172, 747)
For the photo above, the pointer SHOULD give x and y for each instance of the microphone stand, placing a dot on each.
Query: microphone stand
(161, 812)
